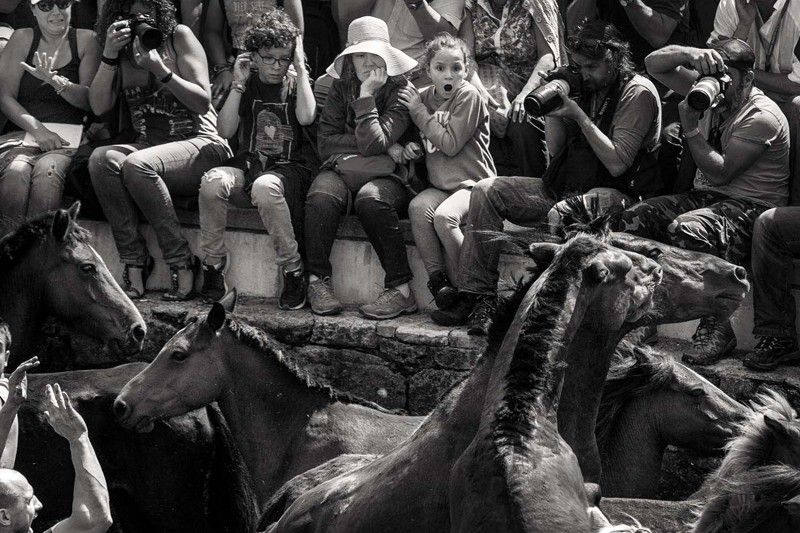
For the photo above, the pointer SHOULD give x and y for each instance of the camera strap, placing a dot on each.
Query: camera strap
(769, 47)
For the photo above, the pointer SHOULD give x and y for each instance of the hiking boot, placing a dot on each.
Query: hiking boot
(772, 351)
(182, 277)
(713, 340)
(295, 286)
(480, 320)
(390, 304)
(214, 287)
(444, 294)
(458, 313)
(322, 299)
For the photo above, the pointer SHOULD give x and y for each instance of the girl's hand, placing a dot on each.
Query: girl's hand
(395, 151)
(118, 37)
(409, 96)
(42, 68)
(412, 152)
(375, 80)
(149, 60)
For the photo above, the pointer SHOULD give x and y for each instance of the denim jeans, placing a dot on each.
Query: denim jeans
(32, 185)
(519, 199)
(436, 217)
(523, 150)
(776, 242)
(378, 205)
(280, 201)
(127, 176)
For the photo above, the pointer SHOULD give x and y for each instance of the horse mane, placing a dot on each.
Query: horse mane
(17, 243)
(635, 371)
(260, 341)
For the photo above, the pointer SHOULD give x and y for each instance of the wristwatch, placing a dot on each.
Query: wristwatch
(413, 6)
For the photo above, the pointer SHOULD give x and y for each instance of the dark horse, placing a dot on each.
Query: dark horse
(48, 267)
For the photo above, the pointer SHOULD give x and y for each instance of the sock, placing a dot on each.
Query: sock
(217, 263)
(312, 277)
(404, 289)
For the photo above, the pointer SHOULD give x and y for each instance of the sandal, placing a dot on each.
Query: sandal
(127, 286)
(175, 295)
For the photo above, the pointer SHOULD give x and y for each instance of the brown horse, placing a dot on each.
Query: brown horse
(283, 421)
(649, 402)
(48, 267)
(183, 476)
(407, 489)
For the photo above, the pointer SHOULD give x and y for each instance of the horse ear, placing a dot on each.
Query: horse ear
(792, 507)
(216, 316)
(542, 253)
(773, 422)
(74, 209)
(597, 272)
(61, 225)
(228, 301)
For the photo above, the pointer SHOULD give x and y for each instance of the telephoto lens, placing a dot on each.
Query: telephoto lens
(547, 98)
(150, 37)
(704, 93)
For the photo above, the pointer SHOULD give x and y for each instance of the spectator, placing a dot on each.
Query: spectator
(454, 124)
(772, 29)
(361, 121)
(169, 97)
(602, 143)
(13, 391)
(90, 501)
(743, 170)
(275, 164)
(232, 18)
(46, 75)
(514, 42)
(775, 246)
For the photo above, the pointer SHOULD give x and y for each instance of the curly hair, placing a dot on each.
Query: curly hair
(5, 333)
(443, 41)
(274, 29)
(164, 13)
(601, 40)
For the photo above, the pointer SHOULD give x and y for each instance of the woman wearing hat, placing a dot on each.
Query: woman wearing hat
(361, 123)
(47, 70)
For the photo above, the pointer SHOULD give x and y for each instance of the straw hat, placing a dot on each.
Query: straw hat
(370, 35)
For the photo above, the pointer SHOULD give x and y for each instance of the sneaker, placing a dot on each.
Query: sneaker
(214, 287)
(390, 304)
(480, 320)
(772, 351)
(322, 299)
(458, 313)
(713, 340)
(295, 286)
(444, 294)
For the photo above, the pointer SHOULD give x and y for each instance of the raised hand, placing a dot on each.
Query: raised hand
(18, 381)
(62, 416)
(42, 68)
(706, 61)
(241, 68)
(409, 96)
(299, 58)
(118, 36)
(149, 60)
(375, 80)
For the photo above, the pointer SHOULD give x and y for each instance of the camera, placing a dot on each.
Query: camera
(144, 27)
(563, 82)
(708, 91)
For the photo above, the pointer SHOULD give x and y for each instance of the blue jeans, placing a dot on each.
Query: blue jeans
(32, 185)
(378, 205)
(130, 176)
(776, 242)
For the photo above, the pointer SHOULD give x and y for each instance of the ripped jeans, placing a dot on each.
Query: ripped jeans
(30, 185)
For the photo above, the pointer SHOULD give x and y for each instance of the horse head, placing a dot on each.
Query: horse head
(49, 264)
(186, 374)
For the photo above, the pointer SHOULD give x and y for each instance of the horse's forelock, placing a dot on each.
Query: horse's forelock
(17, 243)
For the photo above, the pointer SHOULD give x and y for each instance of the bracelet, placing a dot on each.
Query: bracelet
(63, 88)
(165, 79)
(110, 61)
(692, 133)
(60, 83)
(217, 69)
(238, 87)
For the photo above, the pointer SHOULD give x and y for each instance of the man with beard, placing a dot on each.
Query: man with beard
(741, 148)
(603, 145)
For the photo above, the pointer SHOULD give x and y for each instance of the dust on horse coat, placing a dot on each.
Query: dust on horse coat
(48, 267)
(652, 401)
(406, 490)
(183, 476)
(284, 423)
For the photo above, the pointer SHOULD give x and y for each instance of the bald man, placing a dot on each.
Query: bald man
(90, 503)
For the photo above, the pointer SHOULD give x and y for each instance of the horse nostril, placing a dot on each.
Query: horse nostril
(138, 332)
(120, 409)
(740, 273)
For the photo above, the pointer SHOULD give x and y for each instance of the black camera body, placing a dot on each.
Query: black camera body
(144, 27)
(708, 91)
(563, 82)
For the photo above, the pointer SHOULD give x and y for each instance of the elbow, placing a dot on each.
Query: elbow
(617, 169)
(656, 41)
(98, 521)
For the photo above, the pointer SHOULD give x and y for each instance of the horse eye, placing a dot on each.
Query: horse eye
(179, 356)
(654, 253)
(697, 391)
(89, 268)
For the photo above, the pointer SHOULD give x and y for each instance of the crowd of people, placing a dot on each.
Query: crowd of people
(425, 113)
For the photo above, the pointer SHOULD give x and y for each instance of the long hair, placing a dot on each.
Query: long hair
(164, 15)
(599, 40)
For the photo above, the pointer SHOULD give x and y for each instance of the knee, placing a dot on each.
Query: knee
(482, 192)
(49, 169)
(765, 226)
(215, 184)
(444, 221)
(682, 229)
(419, 210)
(367, 205)
(101, 163)
(266, 189)
(136, 167)
(328, 190)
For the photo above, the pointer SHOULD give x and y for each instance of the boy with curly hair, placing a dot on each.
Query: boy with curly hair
(275, 164)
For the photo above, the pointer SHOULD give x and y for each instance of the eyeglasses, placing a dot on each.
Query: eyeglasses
(269, 60)
(47, 5)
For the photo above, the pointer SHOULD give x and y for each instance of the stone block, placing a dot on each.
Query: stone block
(405, 358)
(452, 358)
(345, 330)
(426, 387)
(460, 339)
(423, 331)
(290, 327)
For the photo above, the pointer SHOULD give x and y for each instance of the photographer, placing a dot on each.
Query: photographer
(169, 97)
(603, 143)
(743, 167)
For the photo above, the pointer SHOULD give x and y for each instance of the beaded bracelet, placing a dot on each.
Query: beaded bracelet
(165, 79)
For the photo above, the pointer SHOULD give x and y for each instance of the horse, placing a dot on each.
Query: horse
(283, 420)
(48, 266)
(183, 476)
(407, 489)
(756, 487)
(649, 402)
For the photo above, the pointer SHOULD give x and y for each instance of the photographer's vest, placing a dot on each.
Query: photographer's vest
(577, 169)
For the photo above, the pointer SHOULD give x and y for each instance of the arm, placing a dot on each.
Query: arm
(655, 27)
(306, 106)
(214, 42)
(777, 83)
(294, 8)
(331, 133)
(102, 91)
(91, 512)
(376, 132)
(430, 22)
(77, 94)
(545, 63)
(10, 59)
(555, 134)
(678, 67)
(191, 14)
(228, 119)
(465, 117)
(9, 426)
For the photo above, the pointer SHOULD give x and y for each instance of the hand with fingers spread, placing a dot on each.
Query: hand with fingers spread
(62, 416)
(42, 68)
(375, 80)
(18, 382)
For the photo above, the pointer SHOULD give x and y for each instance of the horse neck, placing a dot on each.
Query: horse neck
(266, 406)
(633, 439)
(22, 304)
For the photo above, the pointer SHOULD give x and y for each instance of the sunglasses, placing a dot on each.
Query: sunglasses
(47, 5)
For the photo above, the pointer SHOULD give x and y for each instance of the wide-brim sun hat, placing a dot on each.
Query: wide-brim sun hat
(370, 35)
